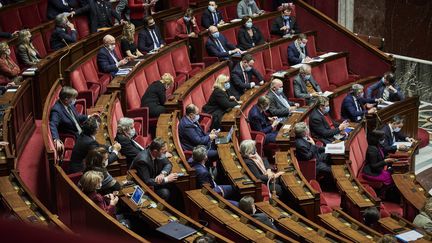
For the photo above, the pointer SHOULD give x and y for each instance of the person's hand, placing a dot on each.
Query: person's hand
(343, 125)
(222, 22)
(411, 140)
(116, 146)
(272, 118)
(261, 83)
(255, 15)
(168, 154)
(402, 147)
(310, 140)
(239, 101)
(160, 178)
(94, 115)
(71, 14)
(372, 110)
(114, 200)
(193, 20)
(70, 25)
(307, 59)
(232, 98)
(252, 84)
(275, 123)
(379, 101)
(4, 143)
(392, 89)
(279, 174)
(172, 177)
(236, 50)
(122, 62)
(293, 108)
(213, 134)
(284, 28)
(261, 12)
(315, 94)
(192, 34)
(389, 160)
(162, 46)
(58, 144)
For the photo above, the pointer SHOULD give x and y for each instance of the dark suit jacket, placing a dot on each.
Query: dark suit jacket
(306, 151)
(145, 41)
(255, 170)
(374, 163)
(106, 63)
(192, 135)
(277, 108)
(207, 18)
(5, 35)
(61, 121)
(92, 10)
(83, 144)
(217, 105)
(258, 121)
(59, 34)
(154, 98)
(379, 88)
(388, 136)
(213, 49)
(128, 148)
(245, 41)
(148, 169)
(202, 175)
(300, 89)
(294, 54)
(320, 128)
(56, 7)
(238, 82)
(263, 218)
(349, 110)
(279, 22)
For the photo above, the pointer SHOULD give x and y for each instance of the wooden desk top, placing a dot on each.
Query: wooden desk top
(410, 189)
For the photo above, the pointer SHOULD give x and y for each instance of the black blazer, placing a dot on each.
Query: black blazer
(255, 170)
(207, 18)
(59, 34)
(106, 63)
(145, 41)
(307, 151)
(83, 144)
(148, 169)
(320, 128)
(374, 163)
(279, 22)
(238, 82)
(155, 95)
(56, 7)
(388, 136)
(92, 10)
(277, 108)
(128, 147)
(217, 105)
(61, 121)
(245, 41)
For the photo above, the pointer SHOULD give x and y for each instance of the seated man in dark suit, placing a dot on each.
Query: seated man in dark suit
(307, 150)
(280, 106)
(247, 205)
(101, 14)
(322, 126)
(352, 105)
(150, 38)
(153, 167)
(297, 51)
(305, 86)
(386, 89)
(260, 122)
(285, 24)
(392, 133)
(241, 76)
(56, 7)
(218, 46)
(86, 141)
(125, 136)
(203, 176)
(64, 118)
(191, 134)
(107, 59)
(211, 16)
(61, 35)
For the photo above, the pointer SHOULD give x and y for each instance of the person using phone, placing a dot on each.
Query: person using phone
(260, 121)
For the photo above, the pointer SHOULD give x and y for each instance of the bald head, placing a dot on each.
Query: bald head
(213, 29)
(109, 39)
(276, 83)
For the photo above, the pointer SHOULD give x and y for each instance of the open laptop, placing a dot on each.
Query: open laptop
(137, 195)
(226, 139)
(176, 230)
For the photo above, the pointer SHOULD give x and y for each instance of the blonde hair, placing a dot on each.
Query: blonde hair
(129, 32)
(3, 47)
(220, 81)
(167, 79)
(90, 181)
(22, 35)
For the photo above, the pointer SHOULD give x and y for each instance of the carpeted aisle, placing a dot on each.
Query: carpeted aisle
(31, 166)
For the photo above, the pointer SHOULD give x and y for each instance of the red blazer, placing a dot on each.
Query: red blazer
(181, 30)
(102, 203)
(137, 10)
(8, 70)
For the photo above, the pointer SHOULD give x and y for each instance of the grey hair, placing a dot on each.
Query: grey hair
(124, 124)
(356, 87)
(300, 128)
(305, 67)
(199, 153)
(247, 147)
(274, 82)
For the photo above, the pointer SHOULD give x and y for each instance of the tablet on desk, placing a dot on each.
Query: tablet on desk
(137, 195)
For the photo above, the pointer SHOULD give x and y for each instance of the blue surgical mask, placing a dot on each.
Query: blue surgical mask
(397, 129)
(307, 76)
(279, 91)
(248, 68)
(326, 109)
(162, 156)
(196, 118)
(249, 25)
(73, 102)
(227, 86)
(215, 34)
(211, 8)
(187, 19)
(286, 17)
(132, 132)
(302, 45)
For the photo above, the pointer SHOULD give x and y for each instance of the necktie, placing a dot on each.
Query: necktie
(393, 137)
(78, 127)
(386, 94)
(329, 122)
(113, 56)
(358, 107)
(310, 89)
(155, 39)
(215, 19)
(246, 77)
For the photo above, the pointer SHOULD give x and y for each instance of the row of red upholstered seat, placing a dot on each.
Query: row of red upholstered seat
(23, 16)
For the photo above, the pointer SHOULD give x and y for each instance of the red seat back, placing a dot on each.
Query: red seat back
(47, 37)
(42, 9)
(152, 72)
(78, 80)
(230, 35)
(259, 62)
(337, 71)
(230, 12)
(165, 65)
(10, 21)
(320, 75)
(336, 105)
(89, 71)
(29, 17)
(181, 59)
(291, 87)
(141, 83)
(82, 25)
(272, 58)
(170, 29)
(39, 44)
(133, 99)
(311, 46)
(264, 28)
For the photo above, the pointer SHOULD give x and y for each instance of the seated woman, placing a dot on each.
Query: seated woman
(127, 42)
(9, 70)
(260, 122)
(424, 218)
(155, 96)
(90, 182)
(27, 53)
(260, 167)
(248, 35)
(97, 160)
(219, 101)
(375, 163)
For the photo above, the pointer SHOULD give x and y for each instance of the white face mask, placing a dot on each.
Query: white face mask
(111, 47)
(105, 163)
(397, 129)
(132, 132)
(8, 52)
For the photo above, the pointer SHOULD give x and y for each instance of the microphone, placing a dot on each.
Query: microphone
(61, 59)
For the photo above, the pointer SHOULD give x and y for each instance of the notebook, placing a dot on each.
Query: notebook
(226, 139)
(176, 230)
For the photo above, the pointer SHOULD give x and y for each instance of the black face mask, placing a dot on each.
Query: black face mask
(152, 27)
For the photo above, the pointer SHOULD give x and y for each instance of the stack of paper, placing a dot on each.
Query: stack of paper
(408, 144)
(385, 104)
(328, 54)
(335, 148)
(123, 71)
(29, 71)
(409, 236)
(279, 74)
(326, 93)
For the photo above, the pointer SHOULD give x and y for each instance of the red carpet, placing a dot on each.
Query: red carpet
(31, 165)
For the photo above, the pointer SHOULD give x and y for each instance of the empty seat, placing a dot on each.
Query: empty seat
(337, 71)
(89, 90)
(29, 17)
(10, 20)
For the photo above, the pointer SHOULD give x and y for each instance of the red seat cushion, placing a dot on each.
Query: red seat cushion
(82, 25)
(10, 20)
(29, 17)
(423, 137)
(337, 71)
